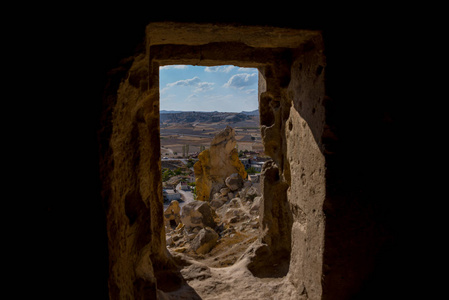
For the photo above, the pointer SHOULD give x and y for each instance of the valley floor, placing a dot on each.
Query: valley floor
(234, 282)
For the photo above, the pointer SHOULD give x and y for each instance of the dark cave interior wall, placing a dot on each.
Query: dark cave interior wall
(361, 111)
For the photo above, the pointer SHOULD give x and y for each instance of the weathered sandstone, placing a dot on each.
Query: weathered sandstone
(234, 182)
(317, 232)
(216, 164)
(172, 214)
(204, 241)
(197, 214)
(290, 94)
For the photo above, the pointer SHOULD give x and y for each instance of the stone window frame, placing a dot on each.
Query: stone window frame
(274, 52)
(292, 117)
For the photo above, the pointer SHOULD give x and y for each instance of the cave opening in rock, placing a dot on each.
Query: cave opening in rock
(290, 241)
(209, 120)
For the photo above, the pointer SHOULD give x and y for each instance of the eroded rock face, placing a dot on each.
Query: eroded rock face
(197, 214)
(205, 240)
(234, 182)
(216, 164)
(172, 214)
(291, 114)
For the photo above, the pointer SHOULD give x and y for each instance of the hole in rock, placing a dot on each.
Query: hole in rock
(211, 159)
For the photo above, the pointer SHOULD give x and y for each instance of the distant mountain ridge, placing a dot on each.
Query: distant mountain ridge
(251, 113)
(170, 111)
(206, 117)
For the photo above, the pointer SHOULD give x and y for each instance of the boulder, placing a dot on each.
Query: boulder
(234, 182)
(235, 203)
(172, 216)
(249, 193)
(255, 206)
(232, 215)
(205, 240)
(218, 202)
(197, 214)
(225, 191)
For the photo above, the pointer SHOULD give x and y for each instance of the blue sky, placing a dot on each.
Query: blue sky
(219, 88)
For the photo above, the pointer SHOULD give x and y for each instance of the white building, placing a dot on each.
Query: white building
(170, 195)
(185, 186)
(257, 166)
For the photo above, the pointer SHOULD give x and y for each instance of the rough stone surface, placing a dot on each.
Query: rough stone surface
(218, 202)
(205, 240)
(132, 191)
(255, 205)
(288, 64)
(234, 182)
(172, 214)
(216, 164)
(224, 191)
(314, 227)
(197, 214)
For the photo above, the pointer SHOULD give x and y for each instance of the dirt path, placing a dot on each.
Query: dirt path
(187, 196)
(234, 282)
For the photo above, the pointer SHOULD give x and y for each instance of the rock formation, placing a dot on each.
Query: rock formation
(197, 214)
(172, 215)
(331, 140)
(234, 182)
(216, 164)
(222, 229)
(204, 241)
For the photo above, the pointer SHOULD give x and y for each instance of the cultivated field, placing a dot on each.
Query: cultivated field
(177, 136)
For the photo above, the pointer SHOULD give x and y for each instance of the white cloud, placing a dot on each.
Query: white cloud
(247, 70)
(240, 81)
(203, 86)
(163, 91)
(224, 69)
(200, 86)
(186, 82)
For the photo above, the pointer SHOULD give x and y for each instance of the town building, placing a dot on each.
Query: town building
(185, 186)
(170, 195)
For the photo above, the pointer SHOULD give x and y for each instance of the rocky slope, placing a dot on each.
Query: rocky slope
(218, 232)
(214, 254)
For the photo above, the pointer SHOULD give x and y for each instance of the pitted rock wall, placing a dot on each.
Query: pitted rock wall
(135, 222)
(291, 94)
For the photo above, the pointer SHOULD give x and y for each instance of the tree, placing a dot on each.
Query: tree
(190, 163)
(251, 170)
(178, 171)
(166, 174)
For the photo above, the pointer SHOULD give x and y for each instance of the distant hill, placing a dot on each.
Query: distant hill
(170, 112)
(251, 113)
(205, 117)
